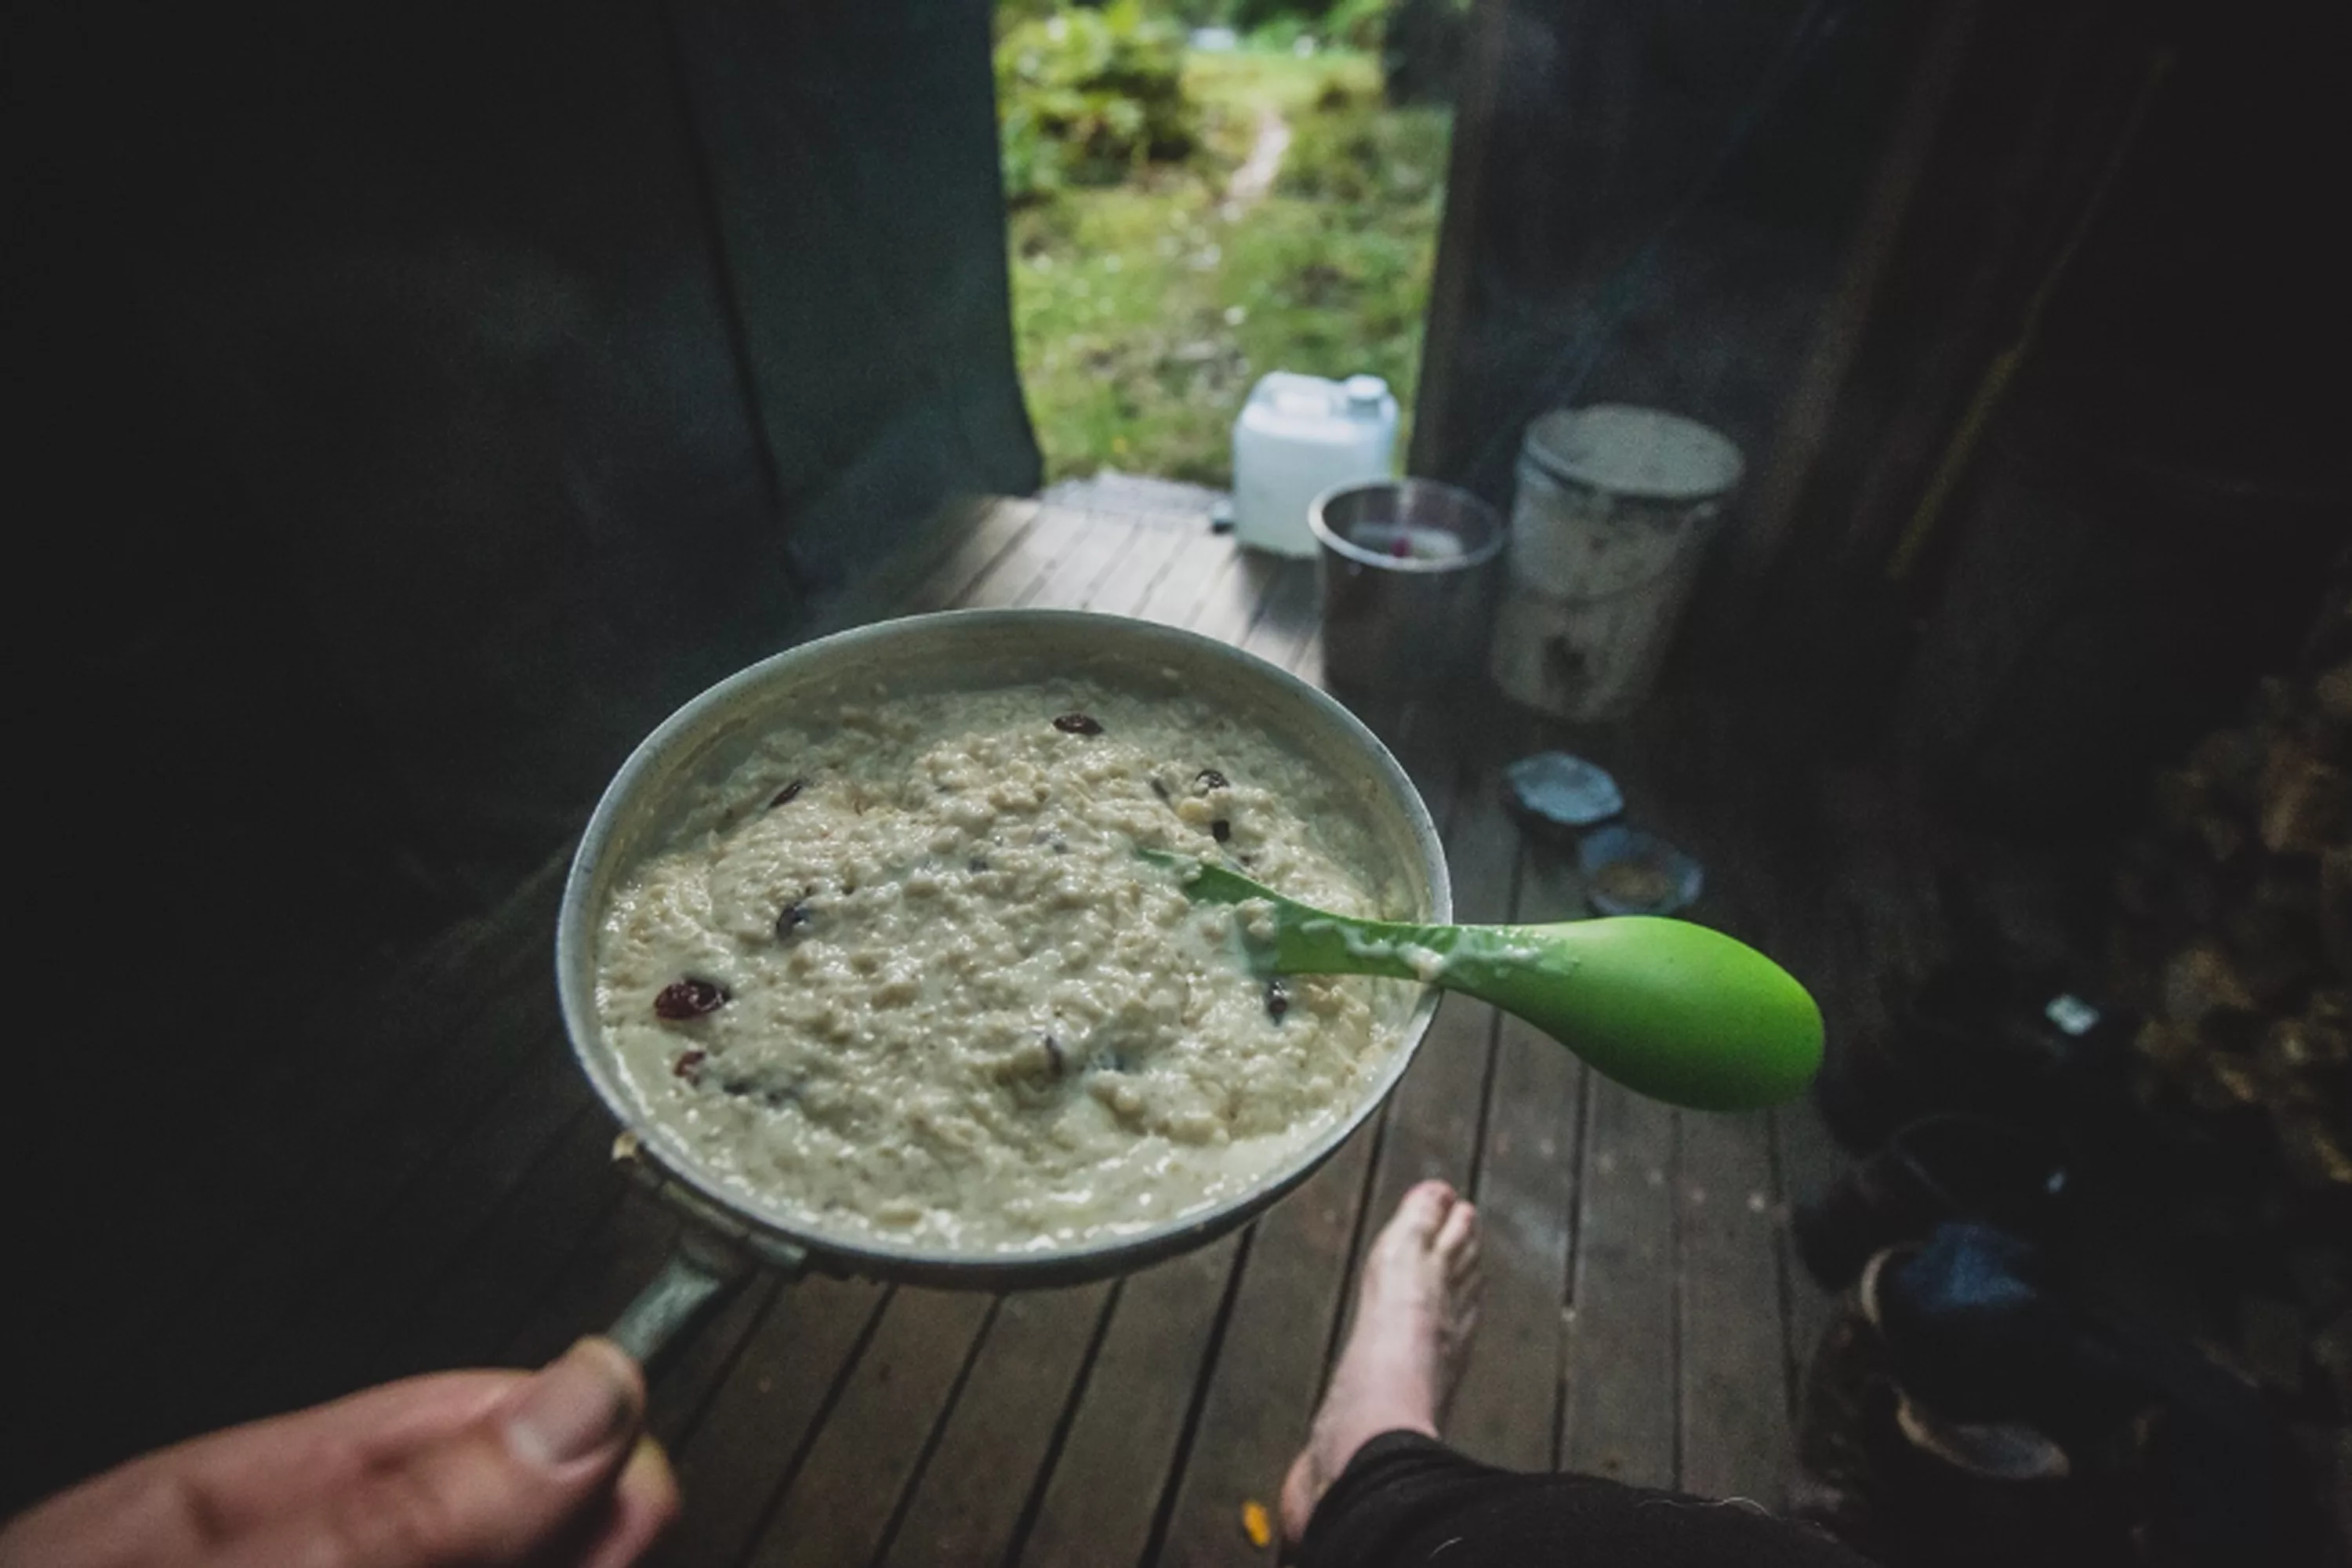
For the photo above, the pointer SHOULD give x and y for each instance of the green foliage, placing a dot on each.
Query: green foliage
(1197, 13)
(1088, 96)
(1011, 14)
(1354, 150)
(1144, 312)
(1356, 23)
(1294, 14)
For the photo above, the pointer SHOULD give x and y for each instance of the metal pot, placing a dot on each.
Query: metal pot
(1408, 584)
(957, 650)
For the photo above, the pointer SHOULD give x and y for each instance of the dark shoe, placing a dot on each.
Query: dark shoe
(1977, 1343)
(1905, 1487)
(1991, 1449)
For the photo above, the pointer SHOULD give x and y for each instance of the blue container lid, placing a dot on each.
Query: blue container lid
(1563, 789)
(1629, 872)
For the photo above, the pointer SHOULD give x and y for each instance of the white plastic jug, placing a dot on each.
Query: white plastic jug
(1297, 436)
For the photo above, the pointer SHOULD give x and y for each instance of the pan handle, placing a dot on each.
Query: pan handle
(715, 1252)
(701, 1272)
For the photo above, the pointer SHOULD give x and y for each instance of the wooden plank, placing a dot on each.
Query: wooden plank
(1071, 584)
(685, 1385)
(1618, 1410)
(1236, 598)
(316, 1220)
(871, 1446)
(1112, 567)
(404, 1255)
(970, 1496)
(491, 1288)
(1285, 626)
(1268, 1371)
(1308, 665)
(319, 1097)
(1729, 1349)
(1294, 1287)
(1125, 589)
(388, 1210)
(1732, 1364)
(1015, 577)
(735, 1459)
(1792, 923)
(1507, 1411)
(602, 1276)
(1424, 747)
(1433, 1117)
(997, 531)
(1805, 1159)
(238, 1254)
(1127, 1428)
(1097, 1503)
(389, 1061)
(1654, 1354)
(1199, 565)
(993, 1450)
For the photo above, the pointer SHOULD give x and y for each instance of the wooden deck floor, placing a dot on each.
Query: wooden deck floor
(442, 1198)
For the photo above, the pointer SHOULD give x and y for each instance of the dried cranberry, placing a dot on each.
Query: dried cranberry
(1078, 724)
(689, 998)
(789, 794)
(1221, 830)
(688, 1064)
(794, 917)
(1210, 778)
(1277, 1000)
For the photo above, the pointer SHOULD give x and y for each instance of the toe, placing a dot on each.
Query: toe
(1425, 1210)
(1457, 1231)
(1300, 1495)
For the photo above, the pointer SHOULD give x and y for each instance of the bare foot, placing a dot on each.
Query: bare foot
(1415, 1308)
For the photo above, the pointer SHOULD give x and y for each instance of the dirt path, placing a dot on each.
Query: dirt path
(1255, 176)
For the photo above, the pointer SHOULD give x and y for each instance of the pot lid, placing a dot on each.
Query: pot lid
(1645, 453)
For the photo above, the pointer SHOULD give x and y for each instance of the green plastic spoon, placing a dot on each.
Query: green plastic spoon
(1669, 1009)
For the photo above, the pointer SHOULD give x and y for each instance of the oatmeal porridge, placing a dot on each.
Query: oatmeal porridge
(904, 976)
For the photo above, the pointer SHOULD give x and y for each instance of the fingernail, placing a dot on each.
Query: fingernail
(574, 1406)
(648, 1464)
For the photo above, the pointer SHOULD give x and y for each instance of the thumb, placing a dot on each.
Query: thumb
(504, 1487)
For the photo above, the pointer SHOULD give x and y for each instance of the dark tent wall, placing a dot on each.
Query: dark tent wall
(1646, 205)
(432, 397)
(2023, 316)
(414, 405)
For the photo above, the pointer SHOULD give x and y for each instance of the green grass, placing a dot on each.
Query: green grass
(1143, 312)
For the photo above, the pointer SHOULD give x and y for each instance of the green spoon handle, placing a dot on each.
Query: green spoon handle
(1673, 1010)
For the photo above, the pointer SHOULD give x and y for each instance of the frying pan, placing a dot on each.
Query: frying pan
(729, 1231)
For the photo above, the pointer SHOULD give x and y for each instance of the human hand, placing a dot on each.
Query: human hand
(473, 1468)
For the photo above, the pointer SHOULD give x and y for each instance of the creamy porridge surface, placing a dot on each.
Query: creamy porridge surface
(903, 975)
